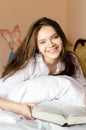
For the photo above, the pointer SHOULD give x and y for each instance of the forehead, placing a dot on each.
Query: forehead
(45, 31)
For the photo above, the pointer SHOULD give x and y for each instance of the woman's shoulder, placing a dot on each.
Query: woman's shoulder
(38, 57)
(72, 54)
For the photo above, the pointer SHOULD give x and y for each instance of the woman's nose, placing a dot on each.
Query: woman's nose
(50, 43)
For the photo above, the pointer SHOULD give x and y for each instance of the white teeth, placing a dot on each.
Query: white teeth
(53, 50)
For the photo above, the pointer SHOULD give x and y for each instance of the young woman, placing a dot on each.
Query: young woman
(43, 52)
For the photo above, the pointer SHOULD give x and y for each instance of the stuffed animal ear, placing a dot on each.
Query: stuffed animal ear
(6, 35)
(16, 35)
(13, 39)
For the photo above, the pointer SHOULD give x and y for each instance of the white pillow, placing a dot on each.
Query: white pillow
(45, 88)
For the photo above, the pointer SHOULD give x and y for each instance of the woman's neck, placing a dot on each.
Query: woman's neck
(52, 67)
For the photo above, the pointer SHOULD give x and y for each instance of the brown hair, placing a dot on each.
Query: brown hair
(28, 49)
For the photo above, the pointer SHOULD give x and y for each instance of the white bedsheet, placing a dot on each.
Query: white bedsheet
(37, 125)
(11, 121)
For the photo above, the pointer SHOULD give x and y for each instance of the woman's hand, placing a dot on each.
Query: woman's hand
(26, 110)
(84, 99)
(23, 109)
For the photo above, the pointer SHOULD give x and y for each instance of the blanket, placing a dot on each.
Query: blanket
(45, 88)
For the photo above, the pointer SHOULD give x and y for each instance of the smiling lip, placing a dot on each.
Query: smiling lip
(53, 49)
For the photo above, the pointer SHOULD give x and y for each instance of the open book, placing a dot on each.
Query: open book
(60, 113)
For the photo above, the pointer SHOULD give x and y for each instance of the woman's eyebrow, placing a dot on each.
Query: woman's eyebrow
(48, 37)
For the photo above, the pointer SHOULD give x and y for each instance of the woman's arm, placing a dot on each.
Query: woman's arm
(23, 109)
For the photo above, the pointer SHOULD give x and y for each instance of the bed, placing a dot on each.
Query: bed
(36, 125)
(12, 121)
(23, 124)
(28, 92)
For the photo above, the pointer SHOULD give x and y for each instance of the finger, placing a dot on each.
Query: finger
(29, 116)
(32, 105)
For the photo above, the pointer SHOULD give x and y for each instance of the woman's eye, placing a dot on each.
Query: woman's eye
(42, 42)
(55, 37)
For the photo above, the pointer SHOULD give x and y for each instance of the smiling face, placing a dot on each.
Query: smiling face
(49, 44)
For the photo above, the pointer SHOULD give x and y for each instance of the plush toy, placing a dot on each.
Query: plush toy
(12, 38)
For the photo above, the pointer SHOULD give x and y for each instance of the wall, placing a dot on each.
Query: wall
(24, 12)
(76, 19)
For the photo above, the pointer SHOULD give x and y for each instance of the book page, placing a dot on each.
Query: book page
(53, 107)
(59, 107)
(50, 114)
(60, 113)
